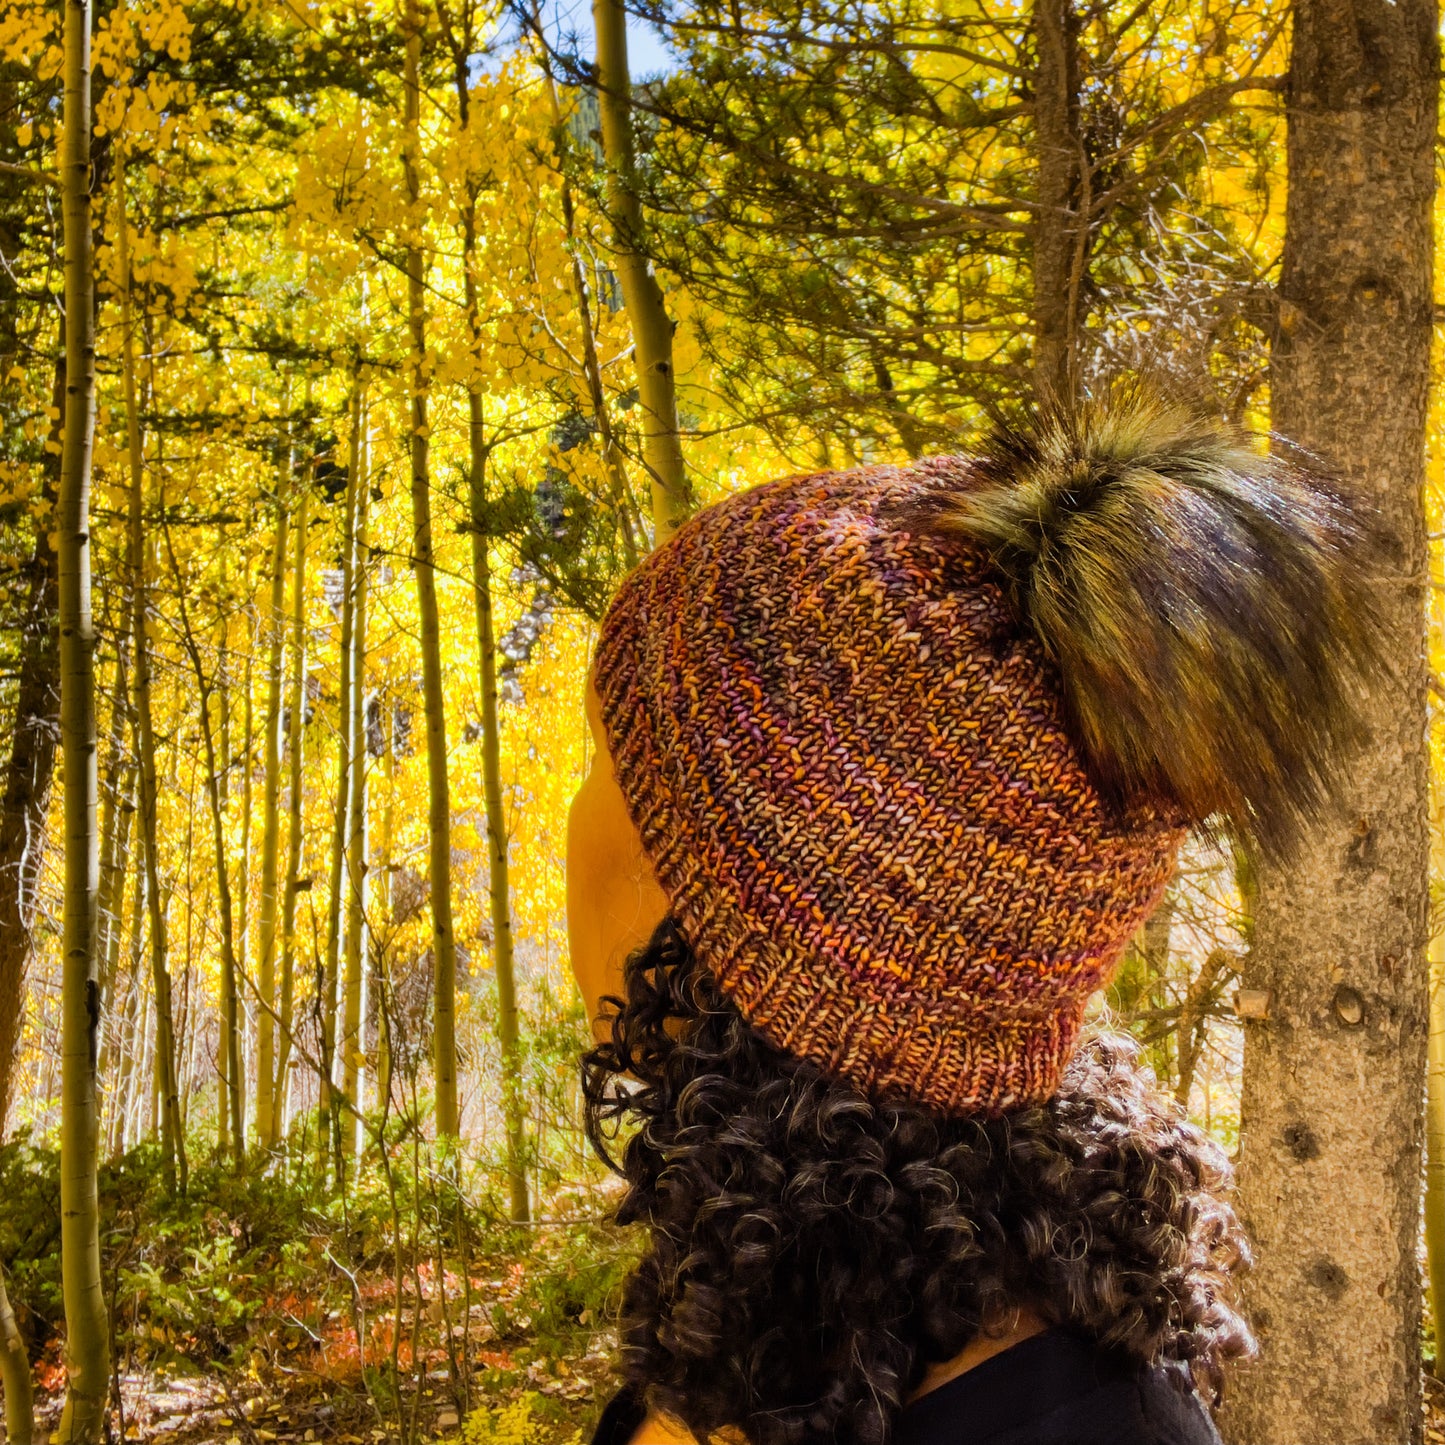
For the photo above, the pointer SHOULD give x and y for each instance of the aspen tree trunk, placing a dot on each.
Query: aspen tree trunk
(498, 883)
(230, 1013)
(220, 730)
(641, 294)
(31, 764)
(112, 898)
(270, 838)
(117, 809)
(87, 1343)
(232, 1062)
(149, 1112)
(1334, 1075)
(132, 1039)
(499, 887)
(15, 1376)
(295, 744)
(114, 824)
(1156, 937)
(1191, 1031)
(1060, 225)
(613, 462)
(232, 1103)
(231, 1100)
(245, 1049)
(340, 832)
(353, 1011)
(382, 989)
(173, 1143)
(444, 949)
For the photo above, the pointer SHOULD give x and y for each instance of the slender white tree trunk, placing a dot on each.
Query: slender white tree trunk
(641, 293)
(87, 1345)
(444, 945)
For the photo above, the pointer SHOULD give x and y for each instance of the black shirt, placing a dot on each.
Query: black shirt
(1051, 1389)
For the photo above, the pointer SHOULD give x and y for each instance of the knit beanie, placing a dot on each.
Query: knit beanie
(911, 749)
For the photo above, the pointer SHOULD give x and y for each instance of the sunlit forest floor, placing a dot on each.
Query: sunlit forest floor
(265, 1308)
(277, 1306)
(530, 1387)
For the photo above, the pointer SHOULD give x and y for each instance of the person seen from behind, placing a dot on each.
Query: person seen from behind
(890, 765)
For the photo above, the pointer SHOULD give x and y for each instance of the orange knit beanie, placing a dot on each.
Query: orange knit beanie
(911, 749)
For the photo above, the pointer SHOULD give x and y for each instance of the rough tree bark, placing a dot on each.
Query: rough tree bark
(1333, 1076)
(641, 295)
(1433, 1214)
(1434, 1210)
(31, 766)
(444, 947)
(87, 1335)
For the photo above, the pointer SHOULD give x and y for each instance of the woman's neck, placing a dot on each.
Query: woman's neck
(1020, 1324)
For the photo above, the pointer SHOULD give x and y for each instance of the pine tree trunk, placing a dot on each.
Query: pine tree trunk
(444, 948)
(173, 1144)
(87, 1343)
(1059, 229)
(270, 840)
(1433, 1214)
(353, 994)
(31, 766)
(1334, 1075)
(641, 294)
(15, 1376)
(1434, 1211)
(295, 746)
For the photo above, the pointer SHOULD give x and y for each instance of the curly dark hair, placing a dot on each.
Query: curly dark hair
(813, 1251)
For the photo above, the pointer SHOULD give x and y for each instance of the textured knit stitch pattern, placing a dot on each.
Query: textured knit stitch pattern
(849, 765)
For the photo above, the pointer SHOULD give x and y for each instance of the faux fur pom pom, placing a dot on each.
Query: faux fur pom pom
(1210, 608)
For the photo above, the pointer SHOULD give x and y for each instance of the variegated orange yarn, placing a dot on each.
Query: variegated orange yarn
(849, 764)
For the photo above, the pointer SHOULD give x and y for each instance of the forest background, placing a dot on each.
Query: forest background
(350, 354)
